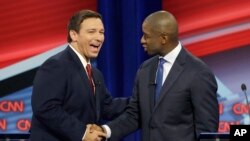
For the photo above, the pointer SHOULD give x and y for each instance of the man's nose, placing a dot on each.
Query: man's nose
(143, 40)
(100, 36)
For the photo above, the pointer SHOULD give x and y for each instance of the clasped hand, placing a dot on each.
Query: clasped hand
(94, 133)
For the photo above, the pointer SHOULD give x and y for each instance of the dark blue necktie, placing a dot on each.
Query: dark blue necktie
(159, 78)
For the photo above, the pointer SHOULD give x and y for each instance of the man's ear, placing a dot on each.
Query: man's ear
(73, 34)
(164, 39)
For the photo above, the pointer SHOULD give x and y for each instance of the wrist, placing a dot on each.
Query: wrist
(103, 129)
(107, 130)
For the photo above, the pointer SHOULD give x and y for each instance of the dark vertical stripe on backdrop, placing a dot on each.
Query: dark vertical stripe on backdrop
(122, 53)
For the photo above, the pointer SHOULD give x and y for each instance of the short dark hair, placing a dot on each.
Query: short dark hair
(76, 20)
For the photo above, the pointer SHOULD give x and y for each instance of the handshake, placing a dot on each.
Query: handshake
(94, 133)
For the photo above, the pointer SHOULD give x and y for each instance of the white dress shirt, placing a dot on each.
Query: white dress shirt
(170, 58)
(83, 60)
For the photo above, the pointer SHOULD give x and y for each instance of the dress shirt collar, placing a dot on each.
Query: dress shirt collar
(82, 59)
(172, 55)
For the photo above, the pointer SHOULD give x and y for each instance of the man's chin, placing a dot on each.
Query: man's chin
(93, 56)
(150, 53)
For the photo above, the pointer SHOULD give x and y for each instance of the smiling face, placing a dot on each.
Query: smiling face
(90, 38)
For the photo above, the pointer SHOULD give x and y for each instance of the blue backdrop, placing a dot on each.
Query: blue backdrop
(122, 51)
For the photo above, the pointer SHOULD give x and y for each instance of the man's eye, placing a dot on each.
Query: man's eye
(91, 31)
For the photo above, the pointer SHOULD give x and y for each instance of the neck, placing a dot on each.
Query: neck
(76, 47)
(169, 48)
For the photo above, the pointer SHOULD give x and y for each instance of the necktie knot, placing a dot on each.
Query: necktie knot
(161, 61)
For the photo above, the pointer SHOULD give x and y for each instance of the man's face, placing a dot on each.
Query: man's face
(151, 40)
(90, 38)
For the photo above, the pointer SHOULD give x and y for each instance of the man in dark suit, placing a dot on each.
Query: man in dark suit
(174, 96)
(67, 94)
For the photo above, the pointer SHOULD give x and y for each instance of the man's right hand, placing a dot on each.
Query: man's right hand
(97, 128)
(94, 133)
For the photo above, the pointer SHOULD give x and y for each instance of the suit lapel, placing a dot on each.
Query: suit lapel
(85, 80)
(97, 83)
(174, 73)
(152, 83)
(82, 74)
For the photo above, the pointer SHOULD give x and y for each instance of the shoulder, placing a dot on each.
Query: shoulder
(195, 62)
(59, 59)
(149, 62)
(55, 64)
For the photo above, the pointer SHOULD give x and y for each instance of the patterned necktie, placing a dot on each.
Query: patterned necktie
(89, 71)
(159, 78)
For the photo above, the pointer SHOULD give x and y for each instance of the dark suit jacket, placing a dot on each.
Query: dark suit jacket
(186, 107)
(62, 101)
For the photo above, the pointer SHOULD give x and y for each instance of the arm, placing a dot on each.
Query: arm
(128, 121)
(110, 107)
(205, 103)
(47, 102)
(113, 107)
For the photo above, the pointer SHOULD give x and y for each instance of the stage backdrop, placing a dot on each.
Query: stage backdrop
(31, 31)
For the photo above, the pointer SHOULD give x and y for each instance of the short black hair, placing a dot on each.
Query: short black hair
(76, 20)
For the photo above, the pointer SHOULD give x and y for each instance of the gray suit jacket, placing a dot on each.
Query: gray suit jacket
(186, 107)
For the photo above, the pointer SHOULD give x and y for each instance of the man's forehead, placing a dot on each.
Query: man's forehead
(92, 23)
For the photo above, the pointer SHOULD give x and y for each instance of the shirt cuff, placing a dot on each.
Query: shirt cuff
(84, 134)
(108, 130)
